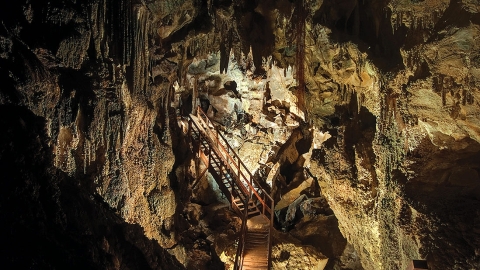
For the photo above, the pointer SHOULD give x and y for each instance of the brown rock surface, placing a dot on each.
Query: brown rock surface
(87, 89)
(404, 143)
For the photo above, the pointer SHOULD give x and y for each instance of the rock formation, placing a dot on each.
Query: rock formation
(368, 110)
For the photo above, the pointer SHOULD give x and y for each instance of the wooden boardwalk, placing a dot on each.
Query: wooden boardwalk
(247, 198)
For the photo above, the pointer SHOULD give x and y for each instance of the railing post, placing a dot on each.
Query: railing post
(239, 169)
(209, 154)
(231, 185)
(221, 170)
(263, 205)
(199, 143)
(251, 180)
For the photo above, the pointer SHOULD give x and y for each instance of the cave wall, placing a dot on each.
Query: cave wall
(50, 220)
(395, 83)
(84, 68)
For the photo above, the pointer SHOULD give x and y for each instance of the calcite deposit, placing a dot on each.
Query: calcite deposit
(361, 118)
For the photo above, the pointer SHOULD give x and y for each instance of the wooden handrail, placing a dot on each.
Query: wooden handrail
(241, 186)
(201, 115)
(204, 158)
(248, 181)
(241, 177)
(225, 146)
(244, 166)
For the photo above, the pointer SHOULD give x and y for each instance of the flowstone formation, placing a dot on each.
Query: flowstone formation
(367, 110)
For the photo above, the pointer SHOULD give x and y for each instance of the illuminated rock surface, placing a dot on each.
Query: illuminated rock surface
(379, 156)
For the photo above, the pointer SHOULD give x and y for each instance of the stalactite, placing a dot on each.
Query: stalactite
(140, 70)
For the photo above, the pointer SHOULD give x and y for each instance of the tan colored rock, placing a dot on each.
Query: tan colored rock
(289, 255)
(394, 83)
(293, 194)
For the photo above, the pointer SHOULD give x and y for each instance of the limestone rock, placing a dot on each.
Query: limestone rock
(288, 255)
(90, 88)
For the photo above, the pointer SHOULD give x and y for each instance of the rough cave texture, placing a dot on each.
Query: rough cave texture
(398, 92)
(50, 220)
(368, 110)
(82, 68)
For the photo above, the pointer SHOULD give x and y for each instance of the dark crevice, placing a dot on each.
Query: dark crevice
(357, 22)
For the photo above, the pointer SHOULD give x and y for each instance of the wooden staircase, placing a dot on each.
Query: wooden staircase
(247, 198)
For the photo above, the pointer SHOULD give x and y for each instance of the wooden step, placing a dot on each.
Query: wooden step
(254, 264)
(252, 208)
(218, 166)
(253, 213)
(217, 160)
(257, 242)
(256, 250)
(255, 257)
(257, 237)
(226, 176)
(237, 201)
(251, 205)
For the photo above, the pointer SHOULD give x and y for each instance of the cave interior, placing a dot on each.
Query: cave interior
(360, 119)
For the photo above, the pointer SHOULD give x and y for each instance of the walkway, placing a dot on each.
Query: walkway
(245, 194)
